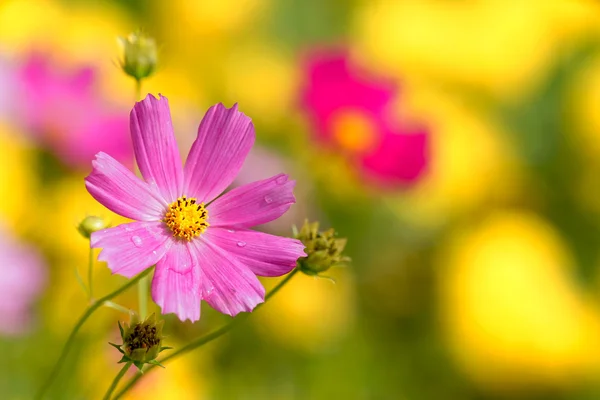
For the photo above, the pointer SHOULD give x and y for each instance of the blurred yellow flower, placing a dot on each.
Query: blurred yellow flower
(503, 47)
(207, 18)
(583, 105)
(583, 120)
(82, 33)
(180, 380)
(511, 310)
(471, 160)
(17, 180)
(309, 313)
(266, 86)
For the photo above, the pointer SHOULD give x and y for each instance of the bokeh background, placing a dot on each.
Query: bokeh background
(455, 143)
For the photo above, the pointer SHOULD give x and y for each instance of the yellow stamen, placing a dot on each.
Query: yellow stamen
(186, 218)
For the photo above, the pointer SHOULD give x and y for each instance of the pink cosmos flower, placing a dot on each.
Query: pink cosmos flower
(201, 244)
(352, 111)
(63, 112)
(22, 277)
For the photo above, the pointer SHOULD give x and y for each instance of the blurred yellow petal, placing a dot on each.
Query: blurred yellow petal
(470, 160)
(178, 381)
(263, 79)
(82, 33)
(503, 48)
(17, 181)
(309, 313)
(511, 310)
(207, 17)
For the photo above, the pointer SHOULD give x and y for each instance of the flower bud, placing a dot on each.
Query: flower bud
(324, 249)
(141, 341)
(90, 225)
(139, 55)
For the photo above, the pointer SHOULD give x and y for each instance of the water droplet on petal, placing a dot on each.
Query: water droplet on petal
(241, 244)
(281, 180)
(137, 241)
(209, 291)
(268, 200)
(128, 228)
(154, 252)
(230, 231)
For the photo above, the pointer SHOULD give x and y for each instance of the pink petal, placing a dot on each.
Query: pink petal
(155, 147)
(225, 137)
(401, 159)
(131, 248)
(176, 284)
(227, 285)
(253, 204)
(335, 82)
(119, 190)
(264, 254)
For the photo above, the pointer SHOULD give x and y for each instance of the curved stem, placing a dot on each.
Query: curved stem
(91, 273)
(78, 325)
(116, 306)
(81, 283)
(207, 338)
(115, 381)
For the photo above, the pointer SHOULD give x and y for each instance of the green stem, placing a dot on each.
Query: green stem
(91, 273)
(90, 310)
(117, 307)
(138, 89)
(115, 381)
(207, 338)
(81, 283)
(143, 297)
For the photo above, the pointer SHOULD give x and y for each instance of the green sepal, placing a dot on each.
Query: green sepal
(121, 329)
(123, 359)
(116, 346)
(139, 365)
(165, 348)
(154, 362)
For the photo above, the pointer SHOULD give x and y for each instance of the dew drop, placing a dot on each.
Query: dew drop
(268, 200)
(137, 240)
(128, 228)
(209, 291)
(241, 244)
(281, 180)
(230, 231)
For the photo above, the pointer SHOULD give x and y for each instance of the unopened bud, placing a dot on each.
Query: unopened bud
(90, 225)
(141, 341)
(323, 249)
(139, 55)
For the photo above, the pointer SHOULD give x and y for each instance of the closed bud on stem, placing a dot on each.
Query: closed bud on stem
(139, 55)
(323, 248)
(142, 341)
(90, 225)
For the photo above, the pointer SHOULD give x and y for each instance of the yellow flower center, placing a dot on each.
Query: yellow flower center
(354, 131)
(186, 218)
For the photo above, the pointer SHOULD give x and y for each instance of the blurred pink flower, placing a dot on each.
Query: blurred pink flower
(64, 113)
(22, 277)
(201, 253)
(352, 111)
